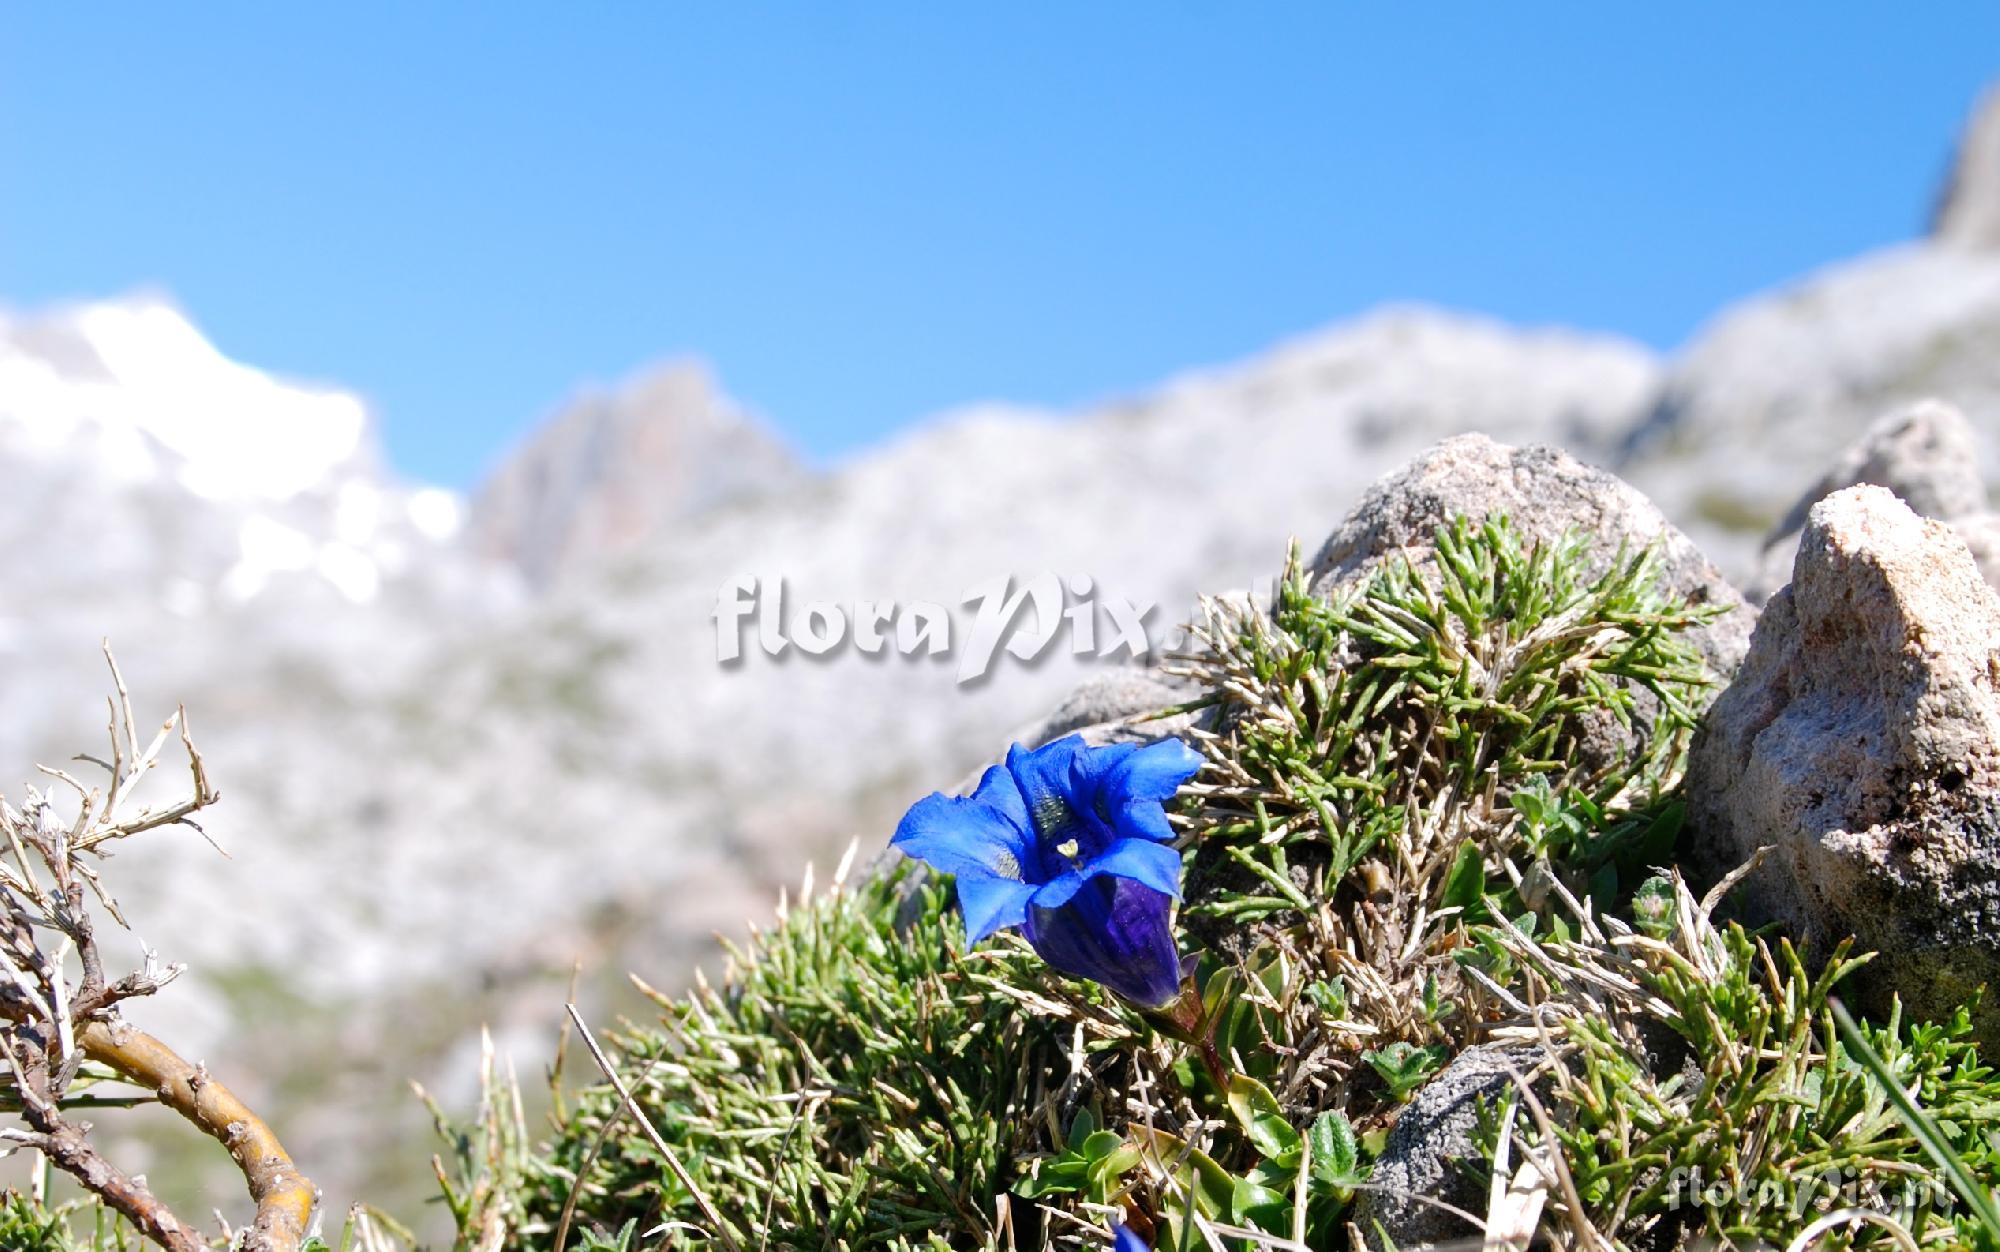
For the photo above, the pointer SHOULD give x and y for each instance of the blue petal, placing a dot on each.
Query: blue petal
(1125, 1239)
(1069, 771)
(1057, 891)
(1153, 773)
(967, 835)
(1063, 785)
(1143, 820)
(1142, 860)
(990, 904)
(1135, 786)
(1113, 931)
(998, 791)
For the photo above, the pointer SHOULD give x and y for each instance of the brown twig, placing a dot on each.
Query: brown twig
(285, 1197)
(67, 1146)
(48, 1027)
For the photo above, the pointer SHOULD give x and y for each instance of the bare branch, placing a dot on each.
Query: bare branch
(285, 1197)
(49, 1027)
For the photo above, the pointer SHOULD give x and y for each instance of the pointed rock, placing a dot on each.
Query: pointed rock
(1861, 743)
(1927, 453)
(615, 470)
(1968, 214)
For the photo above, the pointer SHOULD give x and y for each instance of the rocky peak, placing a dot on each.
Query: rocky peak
(613, 469)
(1968, 215)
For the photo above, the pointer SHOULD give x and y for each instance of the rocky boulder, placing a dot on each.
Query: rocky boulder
(1546, 493)
(1928, 454)
(1861, 744)
(1430, 1169)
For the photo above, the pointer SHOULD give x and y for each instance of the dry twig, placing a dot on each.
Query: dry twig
(49, 1026)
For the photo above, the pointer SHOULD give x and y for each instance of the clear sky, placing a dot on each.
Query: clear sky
(863, 213)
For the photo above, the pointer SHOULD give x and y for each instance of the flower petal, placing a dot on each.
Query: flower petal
(1142, 860)
(989, 904)
(1114, 931)
(1142, 819)
(999, 792)
(1068, 770)
(965, 835)
(1154, 773)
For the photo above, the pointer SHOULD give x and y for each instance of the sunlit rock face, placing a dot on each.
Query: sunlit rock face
(610, 472)
(1968, 213)
(1860, 746)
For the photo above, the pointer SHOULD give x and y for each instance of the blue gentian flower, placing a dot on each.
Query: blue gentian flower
(1071, 844)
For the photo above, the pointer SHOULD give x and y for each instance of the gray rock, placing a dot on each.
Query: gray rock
(614, 469)
(1117, 707)
(1968, 213)
(1981, 534)
(1927, 453)
(1433, 1152)
(1545, 492)
(1861, 743)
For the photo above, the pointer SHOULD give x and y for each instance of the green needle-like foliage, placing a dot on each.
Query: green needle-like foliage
(1700, 1090)
(853, 1085)
(1395, 723)
(1451, 740)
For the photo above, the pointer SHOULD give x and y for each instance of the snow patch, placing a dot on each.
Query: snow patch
(239, 432)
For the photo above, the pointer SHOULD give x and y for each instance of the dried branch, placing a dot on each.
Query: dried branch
(49, 1026)
(285, 1197)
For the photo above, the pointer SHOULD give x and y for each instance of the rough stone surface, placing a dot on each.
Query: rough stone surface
(1545, 492)
(1104, 707)
(1428, 1148)
(1861, 743)
(1927, 453)
(1968, 213)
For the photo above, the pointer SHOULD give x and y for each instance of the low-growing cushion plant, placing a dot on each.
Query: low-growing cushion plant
(1430, 818)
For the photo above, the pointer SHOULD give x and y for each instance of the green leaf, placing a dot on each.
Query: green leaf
(1196, 1176)
(1404, 1066)
(1465, 881)
(1061, 1175)
(1253, 1204)
(1977, 1197)
(1263, 1122)
(1329, 995)
(1336, 1157)
(1653, 906)
(1106, 1171)
(1081, 1128)
(1100, 1145)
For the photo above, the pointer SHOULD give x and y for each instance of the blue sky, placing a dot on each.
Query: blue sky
(864, 213)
